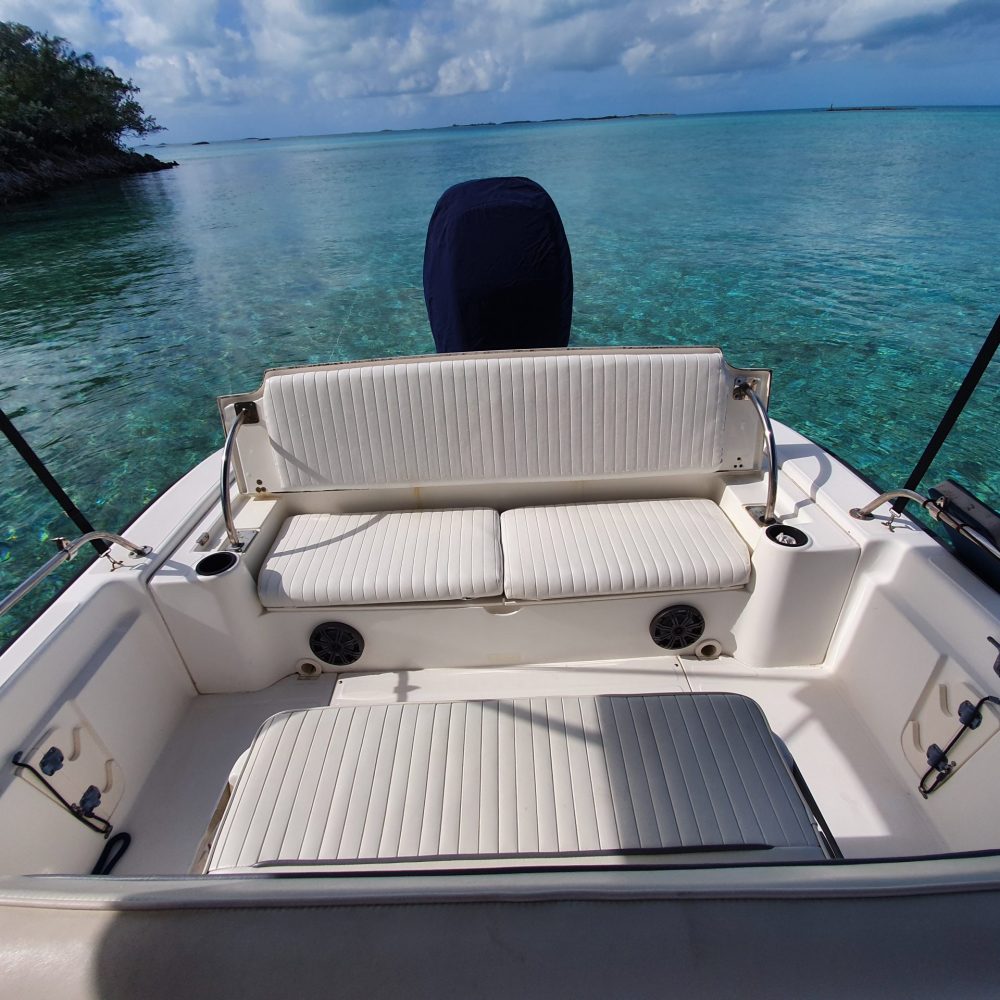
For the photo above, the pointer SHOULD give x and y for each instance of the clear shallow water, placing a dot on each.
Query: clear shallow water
(855, 254)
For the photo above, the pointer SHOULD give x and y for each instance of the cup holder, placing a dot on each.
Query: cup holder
(787, 536)
(216, 563)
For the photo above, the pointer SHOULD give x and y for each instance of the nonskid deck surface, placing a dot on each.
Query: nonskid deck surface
(870, 811)
(174, 808)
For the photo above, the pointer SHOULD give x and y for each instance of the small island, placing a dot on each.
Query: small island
(562, 121)
(873, 107)
(63, 118)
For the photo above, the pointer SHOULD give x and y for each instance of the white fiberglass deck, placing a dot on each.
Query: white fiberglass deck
(567, 777)
(870, 811)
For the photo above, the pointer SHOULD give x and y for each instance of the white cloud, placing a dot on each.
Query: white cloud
(189, 77)
(471, 73)
(413, 54)
(154, 25)
(70, 19)
(853, 19)
(637, 55)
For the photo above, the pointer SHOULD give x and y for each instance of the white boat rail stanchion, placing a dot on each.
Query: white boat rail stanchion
(67, 550)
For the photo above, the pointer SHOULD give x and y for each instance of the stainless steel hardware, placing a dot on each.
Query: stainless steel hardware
(935, 508)
(747, 389)
(67, 550)
(239, 541)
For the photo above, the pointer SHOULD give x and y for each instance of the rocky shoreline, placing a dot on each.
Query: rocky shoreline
(18, 183)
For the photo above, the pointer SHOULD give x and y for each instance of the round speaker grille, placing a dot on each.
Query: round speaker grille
(677, 627)
(336, 643)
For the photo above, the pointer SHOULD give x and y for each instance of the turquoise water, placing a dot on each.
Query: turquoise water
(855, 254)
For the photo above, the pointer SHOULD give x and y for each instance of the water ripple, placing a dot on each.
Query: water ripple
(847, 252)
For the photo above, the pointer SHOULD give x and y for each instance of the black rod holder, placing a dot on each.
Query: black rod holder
(37, 466)
(954, 411)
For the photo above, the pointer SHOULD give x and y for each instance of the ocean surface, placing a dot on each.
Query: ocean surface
(853, 253)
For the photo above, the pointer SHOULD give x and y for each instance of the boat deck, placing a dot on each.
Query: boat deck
(871, 811)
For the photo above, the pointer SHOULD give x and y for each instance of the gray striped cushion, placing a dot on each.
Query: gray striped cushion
(520, 778)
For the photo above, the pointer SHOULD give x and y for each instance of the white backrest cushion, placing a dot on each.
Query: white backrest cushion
(484, 418)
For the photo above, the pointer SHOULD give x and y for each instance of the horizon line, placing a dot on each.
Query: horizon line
(578, 119)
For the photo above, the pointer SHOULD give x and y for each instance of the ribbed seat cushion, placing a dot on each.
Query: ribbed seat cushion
(634, 547)
(482, 418)
(521, 778)
(384, 558)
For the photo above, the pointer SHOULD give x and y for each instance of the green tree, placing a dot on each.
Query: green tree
(55, 102)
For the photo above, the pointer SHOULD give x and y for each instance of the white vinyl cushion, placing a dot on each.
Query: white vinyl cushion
(322, 560)
(614, 775)
(486, 419)
(635, 547)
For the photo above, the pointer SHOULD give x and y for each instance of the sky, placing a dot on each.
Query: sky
(229, 69)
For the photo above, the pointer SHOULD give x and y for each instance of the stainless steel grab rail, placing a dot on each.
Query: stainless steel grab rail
(67, 550)
(239, 541)
(745, 390)
(227, 505)
(934, 508)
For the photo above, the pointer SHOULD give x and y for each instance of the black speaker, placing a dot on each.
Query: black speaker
(336, 643)
(677, 627)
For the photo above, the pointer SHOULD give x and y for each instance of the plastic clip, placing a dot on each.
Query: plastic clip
(937, 759)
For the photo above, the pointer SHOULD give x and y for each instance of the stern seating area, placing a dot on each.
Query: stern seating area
(540, 417)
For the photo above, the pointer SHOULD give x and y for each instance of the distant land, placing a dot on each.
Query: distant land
(641, 116)
(873, 107)
(432, 128)
(556, 121)
(249, 138)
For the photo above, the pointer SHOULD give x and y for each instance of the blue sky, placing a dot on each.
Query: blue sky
(220, 69)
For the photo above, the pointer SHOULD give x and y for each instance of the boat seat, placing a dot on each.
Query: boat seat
(384, 558)
(634, 547)
(514, 781)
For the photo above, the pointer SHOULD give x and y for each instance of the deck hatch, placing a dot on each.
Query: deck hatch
(512, 780)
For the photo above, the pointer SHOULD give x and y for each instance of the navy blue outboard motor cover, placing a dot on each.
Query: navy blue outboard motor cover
(497, 268)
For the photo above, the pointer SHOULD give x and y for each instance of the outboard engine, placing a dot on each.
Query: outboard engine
(497, 268)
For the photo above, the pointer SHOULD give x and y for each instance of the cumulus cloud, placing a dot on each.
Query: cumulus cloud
(152, 26)
(470, 73)
(79, 22)
(416, 52)
(190, 77)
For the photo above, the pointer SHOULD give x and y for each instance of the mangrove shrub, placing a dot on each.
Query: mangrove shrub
(55, 102)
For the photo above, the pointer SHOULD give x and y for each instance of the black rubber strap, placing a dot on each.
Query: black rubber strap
(112, 854)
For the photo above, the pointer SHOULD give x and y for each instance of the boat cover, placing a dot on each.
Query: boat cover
(512, 780)
(497, 268)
